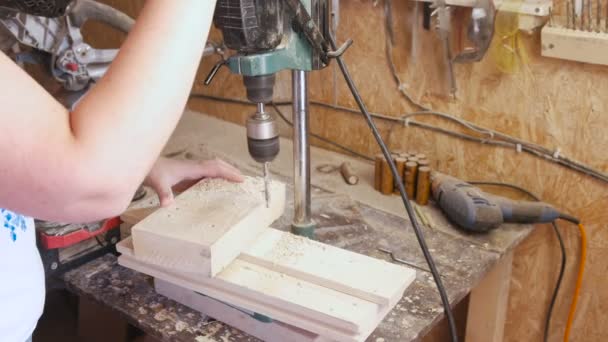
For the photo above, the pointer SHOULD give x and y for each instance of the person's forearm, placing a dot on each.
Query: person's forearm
(129, 115)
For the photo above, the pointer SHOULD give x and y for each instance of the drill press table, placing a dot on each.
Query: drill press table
(356, 218)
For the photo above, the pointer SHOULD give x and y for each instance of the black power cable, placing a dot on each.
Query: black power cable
(399, 183)
(562, 267)
(321, 138)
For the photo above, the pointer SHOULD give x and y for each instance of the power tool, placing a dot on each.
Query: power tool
(477, 211)
(269, 36)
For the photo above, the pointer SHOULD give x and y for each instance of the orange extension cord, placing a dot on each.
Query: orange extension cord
(579, 282)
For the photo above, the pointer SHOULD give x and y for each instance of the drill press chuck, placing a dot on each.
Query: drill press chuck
(263, 151)
(262, 136)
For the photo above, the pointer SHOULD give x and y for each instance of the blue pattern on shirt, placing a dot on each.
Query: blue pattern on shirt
(13, 222)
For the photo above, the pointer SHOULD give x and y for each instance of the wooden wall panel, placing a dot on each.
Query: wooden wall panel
(554, 103)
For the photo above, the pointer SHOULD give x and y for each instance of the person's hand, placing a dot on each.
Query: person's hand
(168, 175)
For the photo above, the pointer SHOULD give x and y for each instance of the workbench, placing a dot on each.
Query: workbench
(356, 218)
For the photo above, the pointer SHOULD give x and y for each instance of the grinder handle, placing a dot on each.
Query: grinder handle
(526, 211)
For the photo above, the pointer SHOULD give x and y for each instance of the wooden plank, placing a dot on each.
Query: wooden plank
(208, 225)
(359, 275)
(296, 302)
(488, 304)
(266, 331)
(575, 45)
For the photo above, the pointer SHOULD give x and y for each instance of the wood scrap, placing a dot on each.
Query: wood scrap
(208, 225)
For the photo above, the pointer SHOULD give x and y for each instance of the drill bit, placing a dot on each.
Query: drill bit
(267, 183)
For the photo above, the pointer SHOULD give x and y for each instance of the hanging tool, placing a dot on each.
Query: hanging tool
(568, 15)
(443, 13)
(573, 13)
(479, 32)
(589, 16)
(582, 14)
(476, 211)
(598, 11)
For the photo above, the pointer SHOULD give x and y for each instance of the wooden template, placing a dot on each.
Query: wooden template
(358, 275)
(296, 302)
(215, 245)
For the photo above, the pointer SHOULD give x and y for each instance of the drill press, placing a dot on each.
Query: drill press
(269, 36)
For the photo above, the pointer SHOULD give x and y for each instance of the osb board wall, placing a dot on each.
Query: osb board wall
(550, 102)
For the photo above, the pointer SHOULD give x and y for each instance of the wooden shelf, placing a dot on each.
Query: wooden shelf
(575, 45)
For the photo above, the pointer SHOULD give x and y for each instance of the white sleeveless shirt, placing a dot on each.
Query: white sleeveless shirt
(21, 278)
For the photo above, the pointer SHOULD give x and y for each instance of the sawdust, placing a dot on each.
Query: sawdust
(290, 247)
(162, 315)
(180, 326)
(253, 186)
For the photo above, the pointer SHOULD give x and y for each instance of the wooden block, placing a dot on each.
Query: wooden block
(355, 274)
(266, 331)
(575, 45)
(208, 225)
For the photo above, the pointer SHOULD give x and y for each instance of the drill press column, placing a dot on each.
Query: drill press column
(302, 222)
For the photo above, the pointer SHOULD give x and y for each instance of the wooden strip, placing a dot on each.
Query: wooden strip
(488, 304)
(574, 45)
(208, 225)
(266, 331)
(282, 297)
(355, 274)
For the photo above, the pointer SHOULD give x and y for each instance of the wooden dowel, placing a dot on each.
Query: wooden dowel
(411, 170)
(378, 171)
(387, 178)
(423, 188)
(400, 163)
(348, 173)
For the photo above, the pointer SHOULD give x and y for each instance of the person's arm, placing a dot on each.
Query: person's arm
(86, 165)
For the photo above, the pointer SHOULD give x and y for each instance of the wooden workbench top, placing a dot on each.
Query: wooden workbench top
(356, 218)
